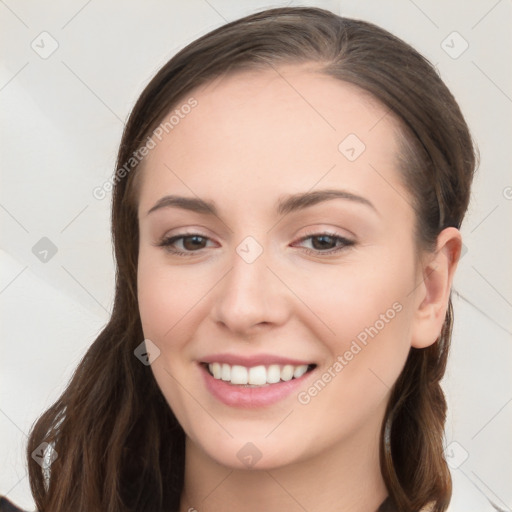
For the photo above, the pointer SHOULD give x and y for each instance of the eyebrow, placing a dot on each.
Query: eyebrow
(285, 205)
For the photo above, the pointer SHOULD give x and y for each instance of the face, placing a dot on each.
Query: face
(254, 293)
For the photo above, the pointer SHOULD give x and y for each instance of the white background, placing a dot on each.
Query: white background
(61, 125)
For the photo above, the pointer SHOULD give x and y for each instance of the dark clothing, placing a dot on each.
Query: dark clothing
(7, 506)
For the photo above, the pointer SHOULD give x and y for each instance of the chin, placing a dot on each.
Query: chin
(259, 454)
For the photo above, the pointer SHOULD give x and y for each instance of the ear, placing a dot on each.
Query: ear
(434, 292)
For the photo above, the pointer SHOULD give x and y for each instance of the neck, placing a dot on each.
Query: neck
(346, 478)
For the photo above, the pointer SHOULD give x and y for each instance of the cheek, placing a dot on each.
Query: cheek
(368, 312)
(349, 299)
(166, 304)
(165, 296)
(367, 355)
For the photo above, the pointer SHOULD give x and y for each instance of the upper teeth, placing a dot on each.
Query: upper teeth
(256, 375)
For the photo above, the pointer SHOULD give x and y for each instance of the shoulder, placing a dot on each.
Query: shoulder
(7, 506)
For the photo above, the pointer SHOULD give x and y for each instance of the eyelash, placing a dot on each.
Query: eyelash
(166, 243)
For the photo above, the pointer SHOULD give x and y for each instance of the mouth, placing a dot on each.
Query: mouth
(256, 376)
(254, 384)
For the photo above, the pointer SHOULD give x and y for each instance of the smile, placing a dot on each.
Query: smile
(253, 382)
(256, 376)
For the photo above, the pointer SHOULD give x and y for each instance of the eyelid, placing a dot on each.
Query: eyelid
(326, 232)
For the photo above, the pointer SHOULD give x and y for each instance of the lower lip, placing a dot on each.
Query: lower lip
(240, 396)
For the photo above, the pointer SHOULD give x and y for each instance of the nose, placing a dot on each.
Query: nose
(250, 297)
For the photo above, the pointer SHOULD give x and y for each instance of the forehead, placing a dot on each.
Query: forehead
(281, 129)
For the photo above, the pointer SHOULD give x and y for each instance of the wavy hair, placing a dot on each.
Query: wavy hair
(119, 446)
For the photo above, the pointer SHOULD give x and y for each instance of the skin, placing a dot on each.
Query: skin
(253, 138)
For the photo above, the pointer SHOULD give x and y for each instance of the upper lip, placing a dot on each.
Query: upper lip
(253, 360)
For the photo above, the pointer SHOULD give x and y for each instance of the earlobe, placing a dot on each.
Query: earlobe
(434, 293)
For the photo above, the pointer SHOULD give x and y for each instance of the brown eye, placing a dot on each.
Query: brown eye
(190, 244)
(326, 243)
(193, 242)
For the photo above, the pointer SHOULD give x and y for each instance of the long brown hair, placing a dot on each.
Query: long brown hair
(119, 446)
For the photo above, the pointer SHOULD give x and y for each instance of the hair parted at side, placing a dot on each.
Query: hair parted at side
(119, 446)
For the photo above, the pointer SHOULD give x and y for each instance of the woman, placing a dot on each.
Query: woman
(286, 215)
